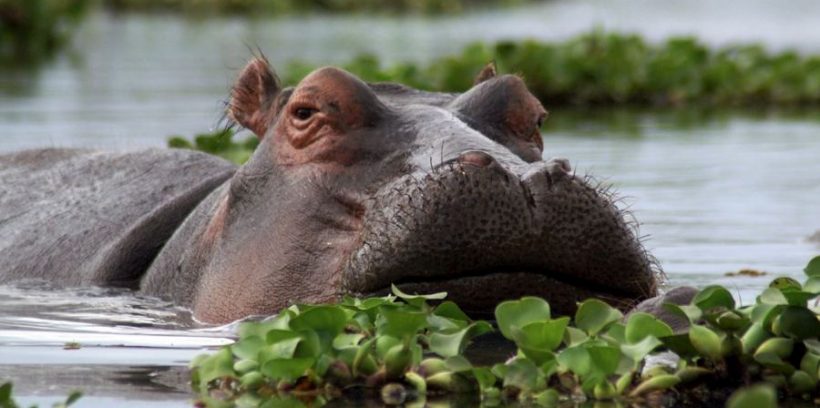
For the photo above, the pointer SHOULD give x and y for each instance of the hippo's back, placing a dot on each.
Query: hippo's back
(85, 217)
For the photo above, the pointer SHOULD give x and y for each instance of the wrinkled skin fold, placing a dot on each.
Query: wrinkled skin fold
(357, 186)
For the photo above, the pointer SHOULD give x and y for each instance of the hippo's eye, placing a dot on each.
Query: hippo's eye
(304, 113)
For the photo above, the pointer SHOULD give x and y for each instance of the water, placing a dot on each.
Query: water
(714, 192)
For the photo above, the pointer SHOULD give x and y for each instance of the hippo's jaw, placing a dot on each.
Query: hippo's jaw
(484, 232)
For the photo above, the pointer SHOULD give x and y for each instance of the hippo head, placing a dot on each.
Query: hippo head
(358, 186)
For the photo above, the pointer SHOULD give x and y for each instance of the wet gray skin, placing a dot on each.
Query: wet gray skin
(356, 186)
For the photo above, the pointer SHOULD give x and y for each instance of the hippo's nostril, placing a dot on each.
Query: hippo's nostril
(476, 158)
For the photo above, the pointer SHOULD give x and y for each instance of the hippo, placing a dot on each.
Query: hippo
(354, 187)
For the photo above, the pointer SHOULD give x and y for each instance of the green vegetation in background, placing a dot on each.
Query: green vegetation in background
(403, 349)
(272, 7)
(600, 68)
(7, 399)
(218, 143)
(32, 30)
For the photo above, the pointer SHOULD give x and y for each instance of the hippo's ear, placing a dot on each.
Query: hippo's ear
(489, 71)
(253, 95)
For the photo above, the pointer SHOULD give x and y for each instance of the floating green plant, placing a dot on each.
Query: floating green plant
(7, 398)
(405, 348)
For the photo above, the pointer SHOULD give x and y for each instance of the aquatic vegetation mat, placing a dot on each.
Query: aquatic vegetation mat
(406, 349)
(7, 399)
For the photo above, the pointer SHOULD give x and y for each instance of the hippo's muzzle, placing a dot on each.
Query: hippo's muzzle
(485, 232)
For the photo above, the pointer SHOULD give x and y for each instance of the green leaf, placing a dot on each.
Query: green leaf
(72, 398)
(772, 296)
(451, 311)
(326, 321)
(642, 324)
(521, 373)
(689, 312)
(287, 369)
(813, 267)
(680, 345)
(217, 365)
(637, 351)
(799, 323)
(754, 336)
(756, 396)
(452, 343)
(416, 300)
(812, 285)
(401, 323)
(248, 347)
(458, 364)
(576, 359)
(785, 283)
(5, 393)
(485, 377)
(281, 344)
(573, 336)
(519, 313)
(714, 296)
(706, 342)
(594, 316)
(604, 359)
(658, 382)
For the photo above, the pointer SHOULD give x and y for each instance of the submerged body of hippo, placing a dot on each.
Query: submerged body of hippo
(353, 187)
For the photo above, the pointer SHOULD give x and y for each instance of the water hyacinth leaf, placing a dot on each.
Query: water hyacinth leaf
(731, 321)
(385, 343)
(576, 359)
(416, 300)
(714, 296)
(812, 269)
(401, 323)
(217, 365)
(573, 336)
(287, 369)
(637, 351)
(756, 396)
(451, 311)
(772, 296)
(362, 359)
(764, 313)
(243, 366)
(689, 312)
(656, 383)
(812, 285)
(544, 335)
(261, 329)
(813, 345)
(521, 373)
(5, 393)
(800, 382)
(519, 313)
(810, 363)
(485, 377)
(642, 324)
(248, 347)
(797, 297)
(784, 283)
(779, 346)
(594, 316)
(754, 336)
(326, 321)
(344, 340)
(548, 398)
(799, 323)
(774, 363)
(439, 323)
(453, 342)
(458, 364)
(604, 359)
(706, 342)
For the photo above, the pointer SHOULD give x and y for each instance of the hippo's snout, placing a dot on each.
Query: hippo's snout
(473, 225)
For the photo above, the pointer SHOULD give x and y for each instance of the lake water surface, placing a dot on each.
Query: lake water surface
(714, 192)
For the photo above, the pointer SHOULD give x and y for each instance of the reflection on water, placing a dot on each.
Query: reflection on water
(134, 350)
